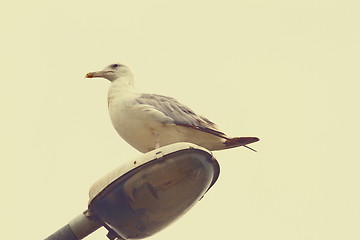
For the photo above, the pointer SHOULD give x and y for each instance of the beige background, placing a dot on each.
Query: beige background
(285, 71)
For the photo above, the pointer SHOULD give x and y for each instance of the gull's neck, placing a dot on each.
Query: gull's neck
(121, 87)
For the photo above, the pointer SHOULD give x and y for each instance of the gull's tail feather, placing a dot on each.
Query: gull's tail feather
(240, 141)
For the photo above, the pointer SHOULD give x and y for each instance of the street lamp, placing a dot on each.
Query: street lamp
(147, 194)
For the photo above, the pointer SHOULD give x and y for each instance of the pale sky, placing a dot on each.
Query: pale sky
(284, 71)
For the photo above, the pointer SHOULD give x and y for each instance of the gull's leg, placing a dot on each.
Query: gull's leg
(157, 140)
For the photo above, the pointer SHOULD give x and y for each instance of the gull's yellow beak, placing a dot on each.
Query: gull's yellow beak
(89, 75)
(98, 74)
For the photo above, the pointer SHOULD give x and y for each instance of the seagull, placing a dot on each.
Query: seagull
(149, 121)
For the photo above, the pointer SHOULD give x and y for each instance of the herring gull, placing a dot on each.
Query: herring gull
(149, 121)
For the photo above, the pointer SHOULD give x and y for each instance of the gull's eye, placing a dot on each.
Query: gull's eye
(115, 65)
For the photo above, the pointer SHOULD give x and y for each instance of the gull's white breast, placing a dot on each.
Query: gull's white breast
(138, 124)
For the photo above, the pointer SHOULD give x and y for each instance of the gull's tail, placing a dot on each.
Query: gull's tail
(240, 141)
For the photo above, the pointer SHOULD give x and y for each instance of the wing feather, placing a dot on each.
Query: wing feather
(181, 115)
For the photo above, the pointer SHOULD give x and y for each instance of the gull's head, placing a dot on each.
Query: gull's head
(111, 72)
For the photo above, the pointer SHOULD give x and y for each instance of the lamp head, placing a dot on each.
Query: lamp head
(146, 195)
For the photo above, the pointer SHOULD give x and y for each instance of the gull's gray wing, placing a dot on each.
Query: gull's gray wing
(181, 114)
